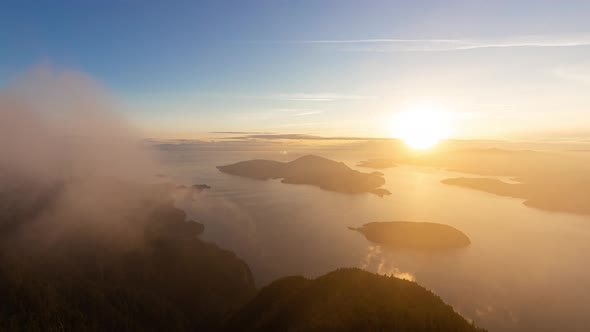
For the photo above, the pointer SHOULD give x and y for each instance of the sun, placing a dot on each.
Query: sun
(421, 126)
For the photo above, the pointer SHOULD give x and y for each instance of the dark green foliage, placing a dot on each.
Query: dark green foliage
(138, 269)
(347, 300)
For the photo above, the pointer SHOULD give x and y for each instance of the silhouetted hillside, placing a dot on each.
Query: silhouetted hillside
(347, 300)
(138, 267)
(324, 173)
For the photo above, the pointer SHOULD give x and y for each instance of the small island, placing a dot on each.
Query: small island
(313, 170)
(190, 192)
(200, 187)
(414, 235)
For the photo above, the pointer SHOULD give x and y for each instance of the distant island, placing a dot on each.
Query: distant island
(347, 300)
(377, 163)
(555, 181)
(493, 186)
(549, 195)
(313, 170)
(414, 235)
(191, 192)
(195, 187)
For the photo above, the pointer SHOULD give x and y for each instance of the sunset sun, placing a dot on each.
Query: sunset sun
(421, 126)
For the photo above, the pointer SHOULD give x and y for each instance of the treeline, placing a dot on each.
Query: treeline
(347, 300)
(137, 266)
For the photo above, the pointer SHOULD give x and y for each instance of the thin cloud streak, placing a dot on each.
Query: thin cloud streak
(307, 137)
(307, 113)
(242, 132)
(354, 41)
(443, 45)
(310, 97)
(299, 111)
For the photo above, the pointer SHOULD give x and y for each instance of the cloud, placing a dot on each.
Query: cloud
(305, 97)
(57, 124)
(241, 132)
(375, 261)
(307, 113)
(306, 137)
(63, 144)
(311, 97)
(443, 45)
(300, 111)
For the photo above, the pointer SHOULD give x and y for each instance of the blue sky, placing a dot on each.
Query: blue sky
(324, 67)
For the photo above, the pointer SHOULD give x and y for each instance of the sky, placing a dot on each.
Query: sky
(496, 68)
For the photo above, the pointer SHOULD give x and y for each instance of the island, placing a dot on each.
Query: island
(554, 181)
(195, 187)
(554, 195)
(313, 170)
(493, 186)
(200, 187)
(377, 163)
(414, 235)
(190, 192)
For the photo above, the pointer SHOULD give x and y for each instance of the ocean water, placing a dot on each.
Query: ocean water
(526, 269)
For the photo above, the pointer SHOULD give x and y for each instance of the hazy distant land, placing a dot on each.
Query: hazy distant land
(377, 163)
(562, 197)
(313, 170)
(557, 181)
(190, 192)
(414, 235)
(493, 186)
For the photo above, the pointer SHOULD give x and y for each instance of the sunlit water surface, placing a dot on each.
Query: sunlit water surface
(526, 270)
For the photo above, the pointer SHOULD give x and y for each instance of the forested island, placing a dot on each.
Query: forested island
(414, 235)
(313, 170)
